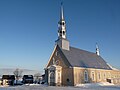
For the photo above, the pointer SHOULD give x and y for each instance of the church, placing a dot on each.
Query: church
(70, 66)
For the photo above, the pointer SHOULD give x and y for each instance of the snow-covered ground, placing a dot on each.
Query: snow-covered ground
(45, 87)
(95, 84)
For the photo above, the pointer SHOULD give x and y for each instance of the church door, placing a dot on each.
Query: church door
(52, 78)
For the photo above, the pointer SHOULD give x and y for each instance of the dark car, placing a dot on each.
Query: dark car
(28, 79)
(8, 79)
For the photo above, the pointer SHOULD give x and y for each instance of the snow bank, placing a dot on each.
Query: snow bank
(31, 84)
(106, 84)
(95, 84)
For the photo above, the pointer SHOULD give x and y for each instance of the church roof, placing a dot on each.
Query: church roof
(81, 58)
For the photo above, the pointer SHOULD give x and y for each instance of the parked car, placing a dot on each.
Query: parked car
(8, 79)
(28, 79)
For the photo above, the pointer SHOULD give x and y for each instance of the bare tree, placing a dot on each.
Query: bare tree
(18, 74)
(37, 77)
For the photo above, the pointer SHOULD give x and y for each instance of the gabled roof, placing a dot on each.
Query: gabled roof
(81, 58)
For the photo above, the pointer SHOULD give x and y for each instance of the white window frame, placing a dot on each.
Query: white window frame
(86, 75)
(93, 77)
(104, 76)
(99, 76)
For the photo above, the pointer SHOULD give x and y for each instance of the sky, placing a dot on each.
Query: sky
(28, 30)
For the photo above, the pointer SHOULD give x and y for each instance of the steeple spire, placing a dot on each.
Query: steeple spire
(61, 12)
(97, 50)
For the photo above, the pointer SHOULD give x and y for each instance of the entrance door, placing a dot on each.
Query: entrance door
(52, 79)
(54, 76)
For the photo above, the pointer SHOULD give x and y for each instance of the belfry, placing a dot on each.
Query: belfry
(62, 38)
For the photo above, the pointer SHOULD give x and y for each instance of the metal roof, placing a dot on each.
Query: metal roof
(81, 58)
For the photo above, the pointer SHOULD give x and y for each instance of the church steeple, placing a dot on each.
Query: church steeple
(61, 12)
(97, 50)
(62, 24)
(62, 38)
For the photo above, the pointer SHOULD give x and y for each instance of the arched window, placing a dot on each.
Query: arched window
(99, 76)
(85, 76)
(54, 61)
(63, 23)
(63, 32)
(104, 76)
(56, 53)
(60, 33)
(93, 76)
(57, 62)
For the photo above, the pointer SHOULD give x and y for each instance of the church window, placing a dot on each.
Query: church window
(104, 76)
(99, 76)
(56, 53)
(53, 61)
(57, 62)
(93, 76)
(60, 33)
(85, 76)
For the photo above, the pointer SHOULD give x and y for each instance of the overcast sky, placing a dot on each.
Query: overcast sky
(28, 30)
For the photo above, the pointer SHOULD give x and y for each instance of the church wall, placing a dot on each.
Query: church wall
(57, 58)
(67, 73)
(67, 77)
(100, 75)
(115, 76)
(78, 76)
